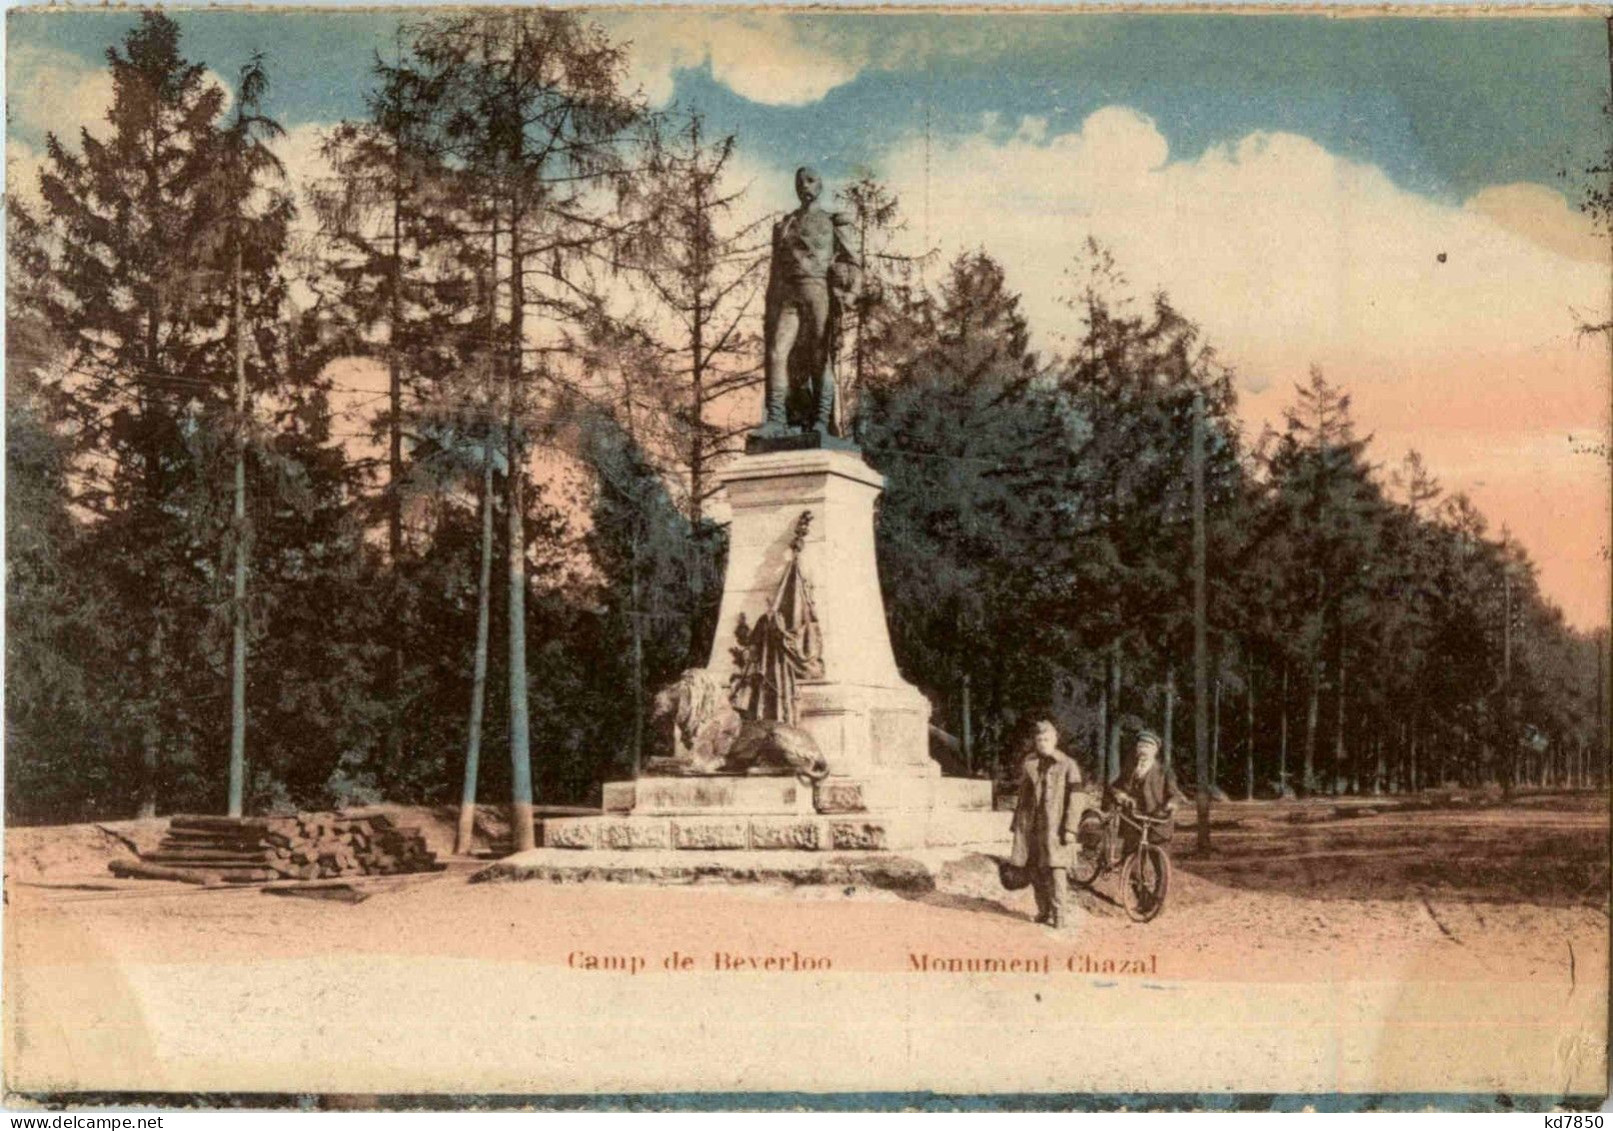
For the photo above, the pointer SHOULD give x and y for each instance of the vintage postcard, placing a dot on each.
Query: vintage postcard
(722, 557)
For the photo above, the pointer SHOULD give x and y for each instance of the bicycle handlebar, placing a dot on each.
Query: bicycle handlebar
(1139, 819)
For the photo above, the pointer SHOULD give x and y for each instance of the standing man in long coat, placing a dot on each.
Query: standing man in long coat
(1044, 836)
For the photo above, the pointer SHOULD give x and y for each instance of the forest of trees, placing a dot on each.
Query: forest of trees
(218, 599)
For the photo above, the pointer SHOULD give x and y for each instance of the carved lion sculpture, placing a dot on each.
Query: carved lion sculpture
(698, 731)
(765, 746)
(693, 723)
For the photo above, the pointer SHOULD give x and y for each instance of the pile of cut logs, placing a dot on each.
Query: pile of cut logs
(307, 846)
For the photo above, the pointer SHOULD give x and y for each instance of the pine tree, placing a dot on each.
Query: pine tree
(886, 290)
(695, 343)
(533, 109)
(1330, 507)
(387, 217)
(136, 307)
(957, 533)
(703, 271)
(249, 236)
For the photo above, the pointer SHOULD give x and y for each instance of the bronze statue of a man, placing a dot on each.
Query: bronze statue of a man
(812, 279)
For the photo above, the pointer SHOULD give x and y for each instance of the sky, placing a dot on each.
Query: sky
(1391, 199)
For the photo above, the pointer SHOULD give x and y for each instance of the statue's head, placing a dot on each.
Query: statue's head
(808, 185)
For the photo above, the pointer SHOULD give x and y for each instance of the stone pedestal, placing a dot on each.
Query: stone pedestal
(883, 790)
(865, 717)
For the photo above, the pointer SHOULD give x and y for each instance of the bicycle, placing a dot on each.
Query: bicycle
(1145, 869)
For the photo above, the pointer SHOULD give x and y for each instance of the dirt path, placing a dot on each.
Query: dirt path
(1252, 979)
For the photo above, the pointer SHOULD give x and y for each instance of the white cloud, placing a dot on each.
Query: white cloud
(766, 57)
(57, 92)
(1285, 252)
(301, 151)
(53, 91)
(1544, 216)
(23, 165)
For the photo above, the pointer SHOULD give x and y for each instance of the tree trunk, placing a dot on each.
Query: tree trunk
(1411, 754)
(1249, 737)
(636, 619)
(1282, 737)
(394, 461)
(697, 489)
(238, 530)
(464, 834)
(1312, 714)
(394, 465)
(967, 730)
(148, 783)
(1339, 745)
(1200, 633)
(478, 683)
(1215, 732)
(520, 740)
(995, 717)
(1112, 740)
(1170, 720)
(1100, 741)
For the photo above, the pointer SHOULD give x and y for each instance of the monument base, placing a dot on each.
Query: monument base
(890, 871)
(801, 548)
(760, 441)
(745, 813)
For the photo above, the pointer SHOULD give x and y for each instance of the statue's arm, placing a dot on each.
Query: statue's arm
(845, 270)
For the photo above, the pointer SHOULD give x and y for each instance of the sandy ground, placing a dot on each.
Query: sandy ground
(1401, 950)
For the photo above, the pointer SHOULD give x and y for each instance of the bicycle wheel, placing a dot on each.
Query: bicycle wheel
(1143, 882)
(1090, 836)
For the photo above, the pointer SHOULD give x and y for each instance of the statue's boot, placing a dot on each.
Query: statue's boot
(775, 422)
(824, 424)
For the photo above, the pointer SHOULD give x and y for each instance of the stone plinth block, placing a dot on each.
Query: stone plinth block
(873, 833)
(671, 796)
(711, 832)
(836, 795)
(784, 834)
(629, 832)
(569, 832)
(618, 796)
(896, 793)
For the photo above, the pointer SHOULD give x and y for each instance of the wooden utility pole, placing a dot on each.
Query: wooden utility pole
(1201, 749)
